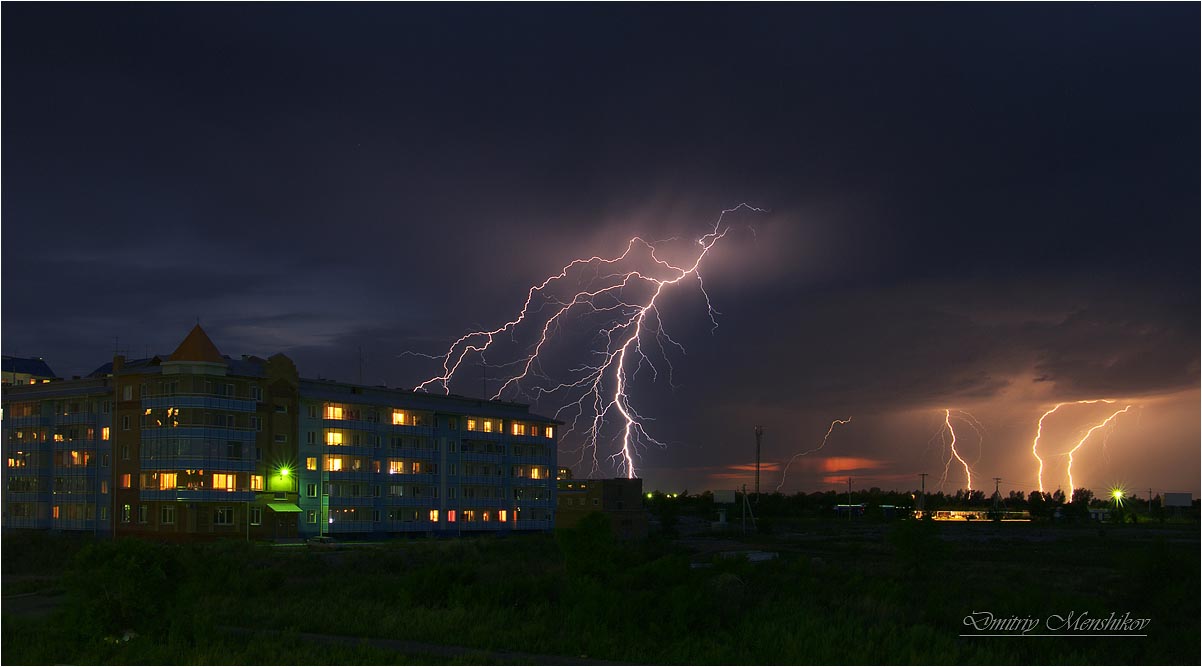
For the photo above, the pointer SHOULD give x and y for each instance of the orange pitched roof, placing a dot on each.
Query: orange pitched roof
(197, 347)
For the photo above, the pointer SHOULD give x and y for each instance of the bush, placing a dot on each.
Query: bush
(128, 585)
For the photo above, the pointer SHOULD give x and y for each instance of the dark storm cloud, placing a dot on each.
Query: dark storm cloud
(967, 203)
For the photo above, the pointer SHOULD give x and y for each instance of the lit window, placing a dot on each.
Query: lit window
(333, 411)
(256, 482)
(488, 426)
(167, 481)
(471, 424)
(396, 467)
(485, 516)
(104, 433)
(226, 481)
(126, 481)
(502, 516)
(450, 516)
(398, 417)
(54, 511)
(548, 432)
(536, 472)
(333, 463)
(333, 438)
(58, 437)
(534, 430)
(469, 515)
(434, 516)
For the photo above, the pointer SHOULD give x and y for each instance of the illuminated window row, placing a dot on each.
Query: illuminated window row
(396, 416)
(194, 480)
(64, 435)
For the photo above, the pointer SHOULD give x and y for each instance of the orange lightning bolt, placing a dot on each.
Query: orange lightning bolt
(947, 423)
(1086, 437)
(1039, 432)
(811, 451)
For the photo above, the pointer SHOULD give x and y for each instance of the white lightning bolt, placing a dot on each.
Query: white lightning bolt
(598, 390)
(810, 451)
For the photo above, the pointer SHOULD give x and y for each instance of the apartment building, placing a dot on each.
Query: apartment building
(199, 445)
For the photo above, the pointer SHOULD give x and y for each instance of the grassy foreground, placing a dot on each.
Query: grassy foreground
(886, 593)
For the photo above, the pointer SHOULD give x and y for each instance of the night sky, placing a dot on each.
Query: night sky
(980, 208)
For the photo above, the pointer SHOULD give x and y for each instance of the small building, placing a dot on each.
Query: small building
(621, 500)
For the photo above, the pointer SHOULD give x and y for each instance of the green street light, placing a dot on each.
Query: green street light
(284, 472)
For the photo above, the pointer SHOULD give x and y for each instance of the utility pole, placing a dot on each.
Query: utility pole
(744, 509)
(849, 498)
(922, 499)
(759, 436)
(997, 497)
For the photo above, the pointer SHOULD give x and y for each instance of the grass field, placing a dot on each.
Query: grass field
(854, 592)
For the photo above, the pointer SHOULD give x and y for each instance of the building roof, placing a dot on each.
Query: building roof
(36, 366)
(197, 347)
(107, 369)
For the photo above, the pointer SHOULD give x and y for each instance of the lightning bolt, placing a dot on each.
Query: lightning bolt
(601, 383)
(1039, 432)
(947, 428)
(1085, 437)
(811, 451)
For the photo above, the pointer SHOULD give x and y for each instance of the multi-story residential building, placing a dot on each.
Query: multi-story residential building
(388, 460)
(204, 445)
(57, 455)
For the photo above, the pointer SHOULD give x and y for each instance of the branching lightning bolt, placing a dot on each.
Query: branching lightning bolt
(598, 390)
(1085, 437)
(810, 451)
(1039, 434)
(947, 428)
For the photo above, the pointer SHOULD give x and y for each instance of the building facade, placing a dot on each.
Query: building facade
(197, 445)
(620, 500)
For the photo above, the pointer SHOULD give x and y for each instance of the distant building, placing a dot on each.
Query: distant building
(198, 445)
(621, 500)
(18, 371)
